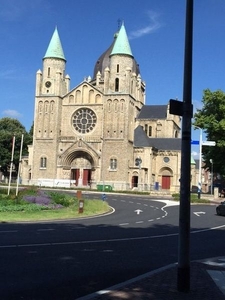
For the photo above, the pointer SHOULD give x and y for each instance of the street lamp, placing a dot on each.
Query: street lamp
(211, 161)
(200, 163)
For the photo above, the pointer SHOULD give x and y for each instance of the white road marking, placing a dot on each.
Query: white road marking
(109, 240)
(139, 222)
(45, 229)
(199, 213)
(123, 224)
(138, 211)
(169, 202)
(8, 231)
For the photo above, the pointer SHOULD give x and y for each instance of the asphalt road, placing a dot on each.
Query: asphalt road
(69, 259)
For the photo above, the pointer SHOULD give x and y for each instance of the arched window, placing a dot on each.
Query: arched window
(146, 128)
(43, 162)
(113, 164)
(116, 84)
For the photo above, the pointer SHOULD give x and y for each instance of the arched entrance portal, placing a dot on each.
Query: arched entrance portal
(134, 180)
(166, 174)
(81, 171)
(80, 165)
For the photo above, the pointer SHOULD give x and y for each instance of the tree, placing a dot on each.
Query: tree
(211, 118)
(8, 128)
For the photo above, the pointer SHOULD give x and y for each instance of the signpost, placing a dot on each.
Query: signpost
(194, 142)
(208, 143)
(201, 143)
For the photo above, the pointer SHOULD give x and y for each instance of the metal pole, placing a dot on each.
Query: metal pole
(183, 272)
(11, 164)
(212, 178)
(211, 161)
(200, 164)
(18, 175)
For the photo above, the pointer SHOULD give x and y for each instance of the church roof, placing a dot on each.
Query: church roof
(142, 140)
(153, 112)
(121, 45)
(55, 49)
(103, 60)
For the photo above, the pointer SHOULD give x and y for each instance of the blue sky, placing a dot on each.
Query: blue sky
(155, 29)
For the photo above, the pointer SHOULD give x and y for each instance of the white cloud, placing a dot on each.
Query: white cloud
(153, 25)
(12, 113)
(195, 154)
(7, 74)
(15, 10)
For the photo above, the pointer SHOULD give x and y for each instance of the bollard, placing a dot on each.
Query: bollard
(79, 195)
(81, 206)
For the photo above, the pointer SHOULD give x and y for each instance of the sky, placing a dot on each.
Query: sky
(156, 31)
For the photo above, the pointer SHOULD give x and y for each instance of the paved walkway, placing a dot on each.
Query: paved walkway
(207, 282)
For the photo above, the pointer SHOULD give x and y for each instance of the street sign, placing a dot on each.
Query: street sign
(194, 142)
(208, 143)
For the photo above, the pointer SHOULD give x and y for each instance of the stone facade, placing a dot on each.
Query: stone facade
(101, 133)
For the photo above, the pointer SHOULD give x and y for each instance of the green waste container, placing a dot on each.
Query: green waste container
(104, 187)
(107, 188)
(99, 187)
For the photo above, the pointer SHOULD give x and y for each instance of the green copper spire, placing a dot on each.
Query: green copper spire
(122, 45)
(55, 47)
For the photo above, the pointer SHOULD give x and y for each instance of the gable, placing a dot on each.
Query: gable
(84, 93)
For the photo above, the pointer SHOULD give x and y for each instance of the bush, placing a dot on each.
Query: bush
(20, 207)
(41, 200)
(33, 199)
(62, 199)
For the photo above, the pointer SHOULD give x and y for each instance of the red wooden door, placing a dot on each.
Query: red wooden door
(77, 175)
(134, 182)
(166, 182)
(85, 177)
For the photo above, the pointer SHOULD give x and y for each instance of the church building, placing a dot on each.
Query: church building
(101, 134)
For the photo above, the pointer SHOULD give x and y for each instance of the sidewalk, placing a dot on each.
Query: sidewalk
(207, 282)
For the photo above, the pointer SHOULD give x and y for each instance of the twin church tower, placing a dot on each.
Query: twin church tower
(100, 133)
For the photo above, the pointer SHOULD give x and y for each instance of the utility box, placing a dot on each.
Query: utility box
(81, 206)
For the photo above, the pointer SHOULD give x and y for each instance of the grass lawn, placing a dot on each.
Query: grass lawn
(193, 199)
(34, 205)
(90, 209)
